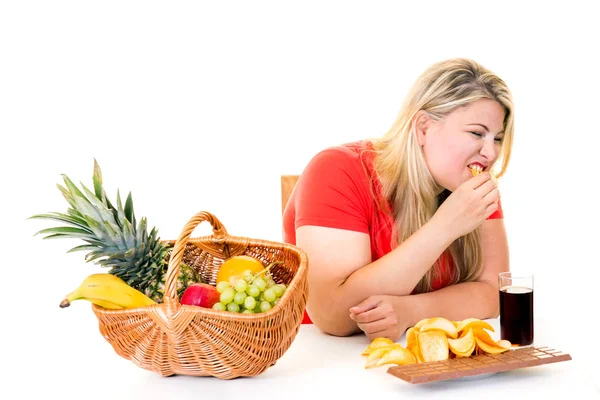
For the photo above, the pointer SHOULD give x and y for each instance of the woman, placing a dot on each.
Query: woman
(404, 227)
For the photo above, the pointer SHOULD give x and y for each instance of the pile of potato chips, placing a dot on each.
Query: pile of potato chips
(436, 339)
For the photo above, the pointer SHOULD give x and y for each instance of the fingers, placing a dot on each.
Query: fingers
(486, 187)
(376, 318)
(376, 327)
(478, 180)
(380, 325)
(492, 208)
(368, 304)
(372, 315)
(491, 197)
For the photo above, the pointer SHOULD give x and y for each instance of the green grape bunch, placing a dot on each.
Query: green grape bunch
(249, 294)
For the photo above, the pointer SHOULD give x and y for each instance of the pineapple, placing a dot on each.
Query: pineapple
(114, 239)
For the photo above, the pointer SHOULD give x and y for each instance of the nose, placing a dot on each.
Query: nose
(489, 150)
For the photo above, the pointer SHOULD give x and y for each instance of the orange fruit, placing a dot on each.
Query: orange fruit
(234, 267)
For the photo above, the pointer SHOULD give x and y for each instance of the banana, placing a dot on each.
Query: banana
(108, 291)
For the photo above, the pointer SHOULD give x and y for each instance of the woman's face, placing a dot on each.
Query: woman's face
(470, 135)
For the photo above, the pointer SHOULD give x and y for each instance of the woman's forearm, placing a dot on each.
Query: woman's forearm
(398, 272)
(456, 302)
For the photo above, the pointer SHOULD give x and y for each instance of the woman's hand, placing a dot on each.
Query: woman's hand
(378, 316)
(468, 206)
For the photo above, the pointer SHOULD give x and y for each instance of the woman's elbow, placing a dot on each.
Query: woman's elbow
(333, 325)
(336, 330)
(493, 300)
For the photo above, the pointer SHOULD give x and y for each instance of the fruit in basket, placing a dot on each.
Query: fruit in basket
(201, 295)
(233, 268)
(434, 339)
(251, 293)
(108, 291)
(114, 239)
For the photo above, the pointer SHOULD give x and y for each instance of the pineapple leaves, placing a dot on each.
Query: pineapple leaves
(67, 195)
(111, 236)
(80, 202)
(128, 229)
(97, 179)
(129, 210)
(107, 217)
(67, 231)
(141, 231)
(83, 247)
(73, 220)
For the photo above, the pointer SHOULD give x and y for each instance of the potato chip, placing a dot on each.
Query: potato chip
(433, 345)
(417, 352)
(411, 337)
(440, 324)
(436, 339)
(376, 344)
(463, 346)
(486, 343)
(412, 343)
(380, 342)
(399, 356)
(419, 324)
(488, 348)
(375, 355)
(485, 337)
(473, 323)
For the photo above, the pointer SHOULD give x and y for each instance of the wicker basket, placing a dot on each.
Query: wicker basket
(175, 339)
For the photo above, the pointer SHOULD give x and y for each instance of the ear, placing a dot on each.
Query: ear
(421, 123)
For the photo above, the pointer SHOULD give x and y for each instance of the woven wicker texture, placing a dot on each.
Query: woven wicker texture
(171, 338)
(477, 365)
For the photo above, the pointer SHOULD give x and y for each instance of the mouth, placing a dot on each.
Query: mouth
(476, 168)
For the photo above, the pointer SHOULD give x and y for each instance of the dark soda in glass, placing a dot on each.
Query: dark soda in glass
(516, 314)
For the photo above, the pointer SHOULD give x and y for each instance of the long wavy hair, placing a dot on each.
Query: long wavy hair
(406, 183)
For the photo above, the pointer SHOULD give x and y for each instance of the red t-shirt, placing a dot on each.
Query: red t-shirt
(336, 191)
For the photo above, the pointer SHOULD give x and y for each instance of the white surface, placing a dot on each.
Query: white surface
(203, 105)
(315, 364)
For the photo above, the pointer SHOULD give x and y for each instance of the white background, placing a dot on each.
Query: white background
(197, 106)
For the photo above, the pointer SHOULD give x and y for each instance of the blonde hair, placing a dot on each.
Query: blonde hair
(405, 179)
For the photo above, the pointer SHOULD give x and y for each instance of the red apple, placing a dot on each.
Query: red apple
(200, 294)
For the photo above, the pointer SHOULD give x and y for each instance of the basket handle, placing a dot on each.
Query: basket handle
(219, 235)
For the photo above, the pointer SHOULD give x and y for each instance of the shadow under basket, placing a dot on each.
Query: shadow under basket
(175, 339)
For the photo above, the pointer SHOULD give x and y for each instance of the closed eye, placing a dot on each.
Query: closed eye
(480, 135)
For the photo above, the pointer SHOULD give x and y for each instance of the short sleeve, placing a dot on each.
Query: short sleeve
(331, 192)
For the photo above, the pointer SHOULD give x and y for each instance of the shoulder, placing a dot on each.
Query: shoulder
(332, 191)
(346, 157)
